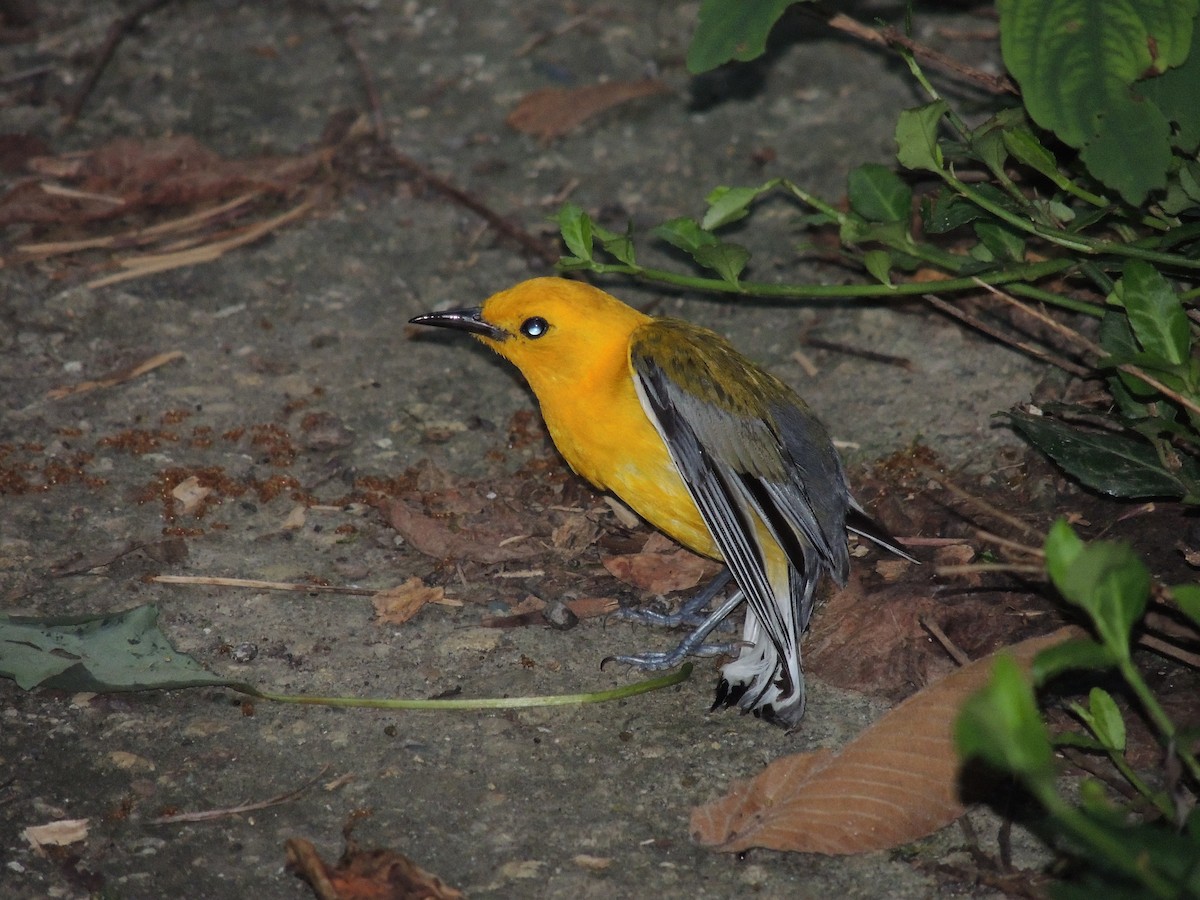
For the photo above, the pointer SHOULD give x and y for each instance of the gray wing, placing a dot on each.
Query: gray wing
(780, 466)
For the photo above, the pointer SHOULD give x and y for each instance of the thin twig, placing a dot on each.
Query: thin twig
(1011, 545)
(258, 585)
(982, 504)
(869, 355)
(208, 815)
(956, 652)
(1166, 648)
(893, 37)
(1034, 351)
(116, 33)
(154, 362)
(976, 568)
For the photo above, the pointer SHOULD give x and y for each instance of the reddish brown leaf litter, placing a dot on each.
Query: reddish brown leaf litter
(550, 113)
(660, 567)
(896, 782)
(129, 174)
(366, 875)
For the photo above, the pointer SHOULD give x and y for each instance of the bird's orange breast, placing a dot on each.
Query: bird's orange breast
(604, 435)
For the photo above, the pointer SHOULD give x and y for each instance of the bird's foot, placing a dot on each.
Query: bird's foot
(657, 660)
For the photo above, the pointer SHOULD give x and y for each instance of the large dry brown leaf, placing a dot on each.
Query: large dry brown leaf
(896, 782)
(398, 604)
(550, 113)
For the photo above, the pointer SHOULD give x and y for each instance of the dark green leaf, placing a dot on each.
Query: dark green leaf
(916, 137)
(618, 245)
(1114, 464)
(1004, 241)
(878, 194)
(949, 211)
(732, 30)
(119, 652)
(1174, 92)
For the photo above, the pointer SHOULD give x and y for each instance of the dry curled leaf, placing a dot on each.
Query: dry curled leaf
(397, 605)
(550, 113)
(894, 783)
(366, 875)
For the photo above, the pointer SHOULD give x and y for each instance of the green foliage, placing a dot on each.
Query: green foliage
(1116, 80)
(118, 652)
(1122, 853)
(1081, 65)
(732, 30)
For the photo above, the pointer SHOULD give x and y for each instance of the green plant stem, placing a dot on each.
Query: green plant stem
(629, 690)
(1076, 243)
(1023, 273)
(1156, 798)
(1101, 842)
(1157, 715)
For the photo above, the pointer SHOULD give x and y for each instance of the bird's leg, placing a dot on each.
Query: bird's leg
(689, 614)
(693, 644)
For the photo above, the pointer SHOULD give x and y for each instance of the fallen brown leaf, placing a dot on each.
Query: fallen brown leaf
(55, 834)
(659, 568)
(397, 605)
(434, 537)
(894, 783)
(366, 875)
(549, 113)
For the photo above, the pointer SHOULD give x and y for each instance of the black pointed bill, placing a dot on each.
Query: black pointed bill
(469, 319)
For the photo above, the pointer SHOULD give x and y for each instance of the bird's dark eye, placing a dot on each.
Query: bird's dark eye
(534, 327)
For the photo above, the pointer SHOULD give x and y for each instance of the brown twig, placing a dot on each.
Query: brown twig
(869, 355)
(208, 815)
(258, 585)
(956, 653)
(116, 33)
(1034, 351)
(978, 502)
(154, 362)
(891, 36)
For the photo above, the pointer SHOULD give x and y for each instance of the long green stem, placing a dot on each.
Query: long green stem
(629, 690)
(1158, 716)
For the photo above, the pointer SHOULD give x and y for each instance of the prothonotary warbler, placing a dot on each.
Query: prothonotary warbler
(702, 444)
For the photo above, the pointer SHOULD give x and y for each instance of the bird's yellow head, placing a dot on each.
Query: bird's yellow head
(557, 332)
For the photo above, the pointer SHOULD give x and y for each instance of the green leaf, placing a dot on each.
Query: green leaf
(1004, 241)
(618, 245)
(916, 137)
(118, 652)
(948, 211)
(1105, 579)
(732, 30)
(726, 204)
(1080, 64)
(1107, 723)
(727, 260)
(1154, 310)
(685, 234)
(1080, 653)
(879, 264)
(1114, 464)
(576, 228)
(878, 194)
(1187, 597)
(1001, 725)
(1023, 144)
(1174, 93)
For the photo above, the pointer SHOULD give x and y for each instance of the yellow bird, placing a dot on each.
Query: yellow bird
(705, 446)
